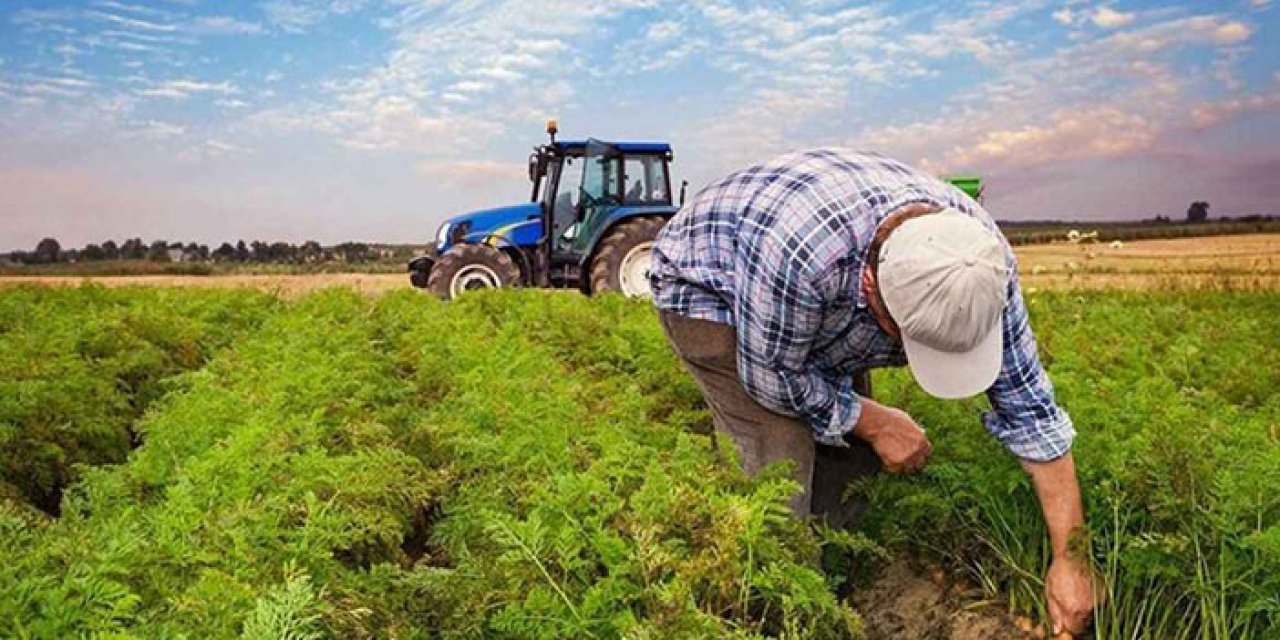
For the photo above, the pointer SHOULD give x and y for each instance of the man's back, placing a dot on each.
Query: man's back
(818, 208)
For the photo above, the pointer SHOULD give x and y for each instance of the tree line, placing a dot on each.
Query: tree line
(50, 251)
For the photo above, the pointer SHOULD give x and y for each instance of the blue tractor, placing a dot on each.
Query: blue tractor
(594, 211)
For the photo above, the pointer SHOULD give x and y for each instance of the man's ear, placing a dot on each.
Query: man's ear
(869, 282)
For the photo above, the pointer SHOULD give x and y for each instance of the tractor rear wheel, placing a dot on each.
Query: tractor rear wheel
(624, 258)
(469, 267)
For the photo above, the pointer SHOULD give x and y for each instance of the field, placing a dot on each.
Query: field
(1216, 262)
(208, 462)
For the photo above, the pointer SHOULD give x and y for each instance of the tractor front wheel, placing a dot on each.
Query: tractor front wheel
(469, 267)
(625, 256)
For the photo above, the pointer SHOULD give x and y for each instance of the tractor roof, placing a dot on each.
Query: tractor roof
(625, 147)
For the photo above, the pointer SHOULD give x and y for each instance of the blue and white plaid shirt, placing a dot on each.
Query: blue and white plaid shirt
(777, 250)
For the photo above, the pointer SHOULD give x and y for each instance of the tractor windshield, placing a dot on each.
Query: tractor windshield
(601, 183)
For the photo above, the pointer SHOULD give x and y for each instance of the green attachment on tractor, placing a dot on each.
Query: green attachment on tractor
(971, 185)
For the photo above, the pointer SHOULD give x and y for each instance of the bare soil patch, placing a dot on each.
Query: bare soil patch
(905, 603)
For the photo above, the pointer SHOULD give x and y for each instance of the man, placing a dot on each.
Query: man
(780, 282)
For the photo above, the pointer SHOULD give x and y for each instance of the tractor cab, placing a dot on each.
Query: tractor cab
(595, 208)
(585, 186)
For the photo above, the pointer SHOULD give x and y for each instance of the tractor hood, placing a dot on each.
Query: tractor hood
(476, 225)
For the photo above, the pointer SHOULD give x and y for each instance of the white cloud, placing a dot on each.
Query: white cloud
(1116, 95)
(226, 25)
(159, 130)
(297, 16)
(183, 89)
(133, 23)
(1208, 114)
(1109, 18)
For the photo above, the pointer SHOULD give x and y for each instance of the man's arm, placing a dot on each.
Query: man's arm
(1026, 418)
(1068, 586)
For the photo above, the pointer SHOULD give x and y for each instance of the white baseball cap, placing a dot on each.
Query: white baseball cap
(944, 279)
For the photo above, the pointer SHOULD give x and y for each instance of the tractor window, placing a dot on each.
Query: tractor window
(564, 211)
(645, 178)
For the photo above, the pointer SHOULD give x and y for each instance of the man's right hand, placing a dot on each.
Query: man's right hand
(901, 444)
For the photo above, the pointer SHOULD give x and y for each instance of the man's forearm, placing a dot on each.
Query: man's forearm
(1059, 493)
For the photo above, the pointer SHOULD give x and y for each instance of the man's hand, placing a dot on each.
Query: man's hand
(901, 444)
(1068, 589)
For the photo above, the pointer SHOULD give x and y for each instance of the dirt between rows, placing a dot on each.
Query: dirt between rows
(906, 602)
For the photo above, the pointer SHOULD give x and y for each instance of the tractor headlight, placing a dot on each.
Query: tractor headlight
(442, 236)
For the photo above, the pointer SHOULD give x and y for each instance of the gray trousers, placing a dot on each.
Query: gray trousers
(710, 353)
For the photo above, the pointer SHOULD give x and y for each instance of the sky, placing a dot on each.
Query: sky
(341, 120)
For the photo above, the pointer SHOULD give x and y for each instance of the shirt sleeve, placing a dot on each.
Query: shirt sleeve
(1025, 417)
(778, 314)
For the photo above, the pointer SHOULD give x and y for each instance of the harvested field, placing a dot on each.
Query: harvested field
(1219, 262)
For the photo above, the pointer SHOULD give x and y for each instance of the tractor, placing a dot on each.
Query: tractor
(594, 211)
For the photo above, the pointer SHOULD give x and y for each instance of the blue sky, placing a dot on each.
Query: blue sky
(355, 119)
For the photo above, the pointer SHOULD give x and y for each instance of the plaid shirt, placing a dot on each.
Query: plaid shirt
(777, 250)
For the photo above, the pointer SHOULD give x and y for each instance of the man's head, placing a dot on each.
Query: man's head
(938, 281)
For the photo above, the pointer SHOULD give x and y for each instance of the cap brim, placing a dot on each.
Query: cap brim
(945, 374)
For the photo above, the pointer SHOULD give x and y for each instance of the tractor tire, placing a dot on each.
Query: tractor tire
(468, 267)
(622, 262)
(419, 279)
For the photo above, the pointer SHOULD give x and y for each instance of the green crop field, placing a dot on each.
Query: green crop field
(222, 463)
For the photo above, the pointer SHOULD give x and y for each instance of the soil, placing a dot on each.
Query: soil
(908, 603)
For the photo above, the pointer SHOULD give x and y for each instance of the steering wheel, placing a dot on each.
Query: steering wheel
(585, 199)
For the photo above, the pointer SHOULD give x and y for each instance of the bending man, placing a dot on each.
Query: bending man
(780, 282)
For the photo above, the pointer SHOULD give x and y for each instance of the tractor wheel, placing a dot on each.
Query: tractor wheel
(622, 263)
(467, 267)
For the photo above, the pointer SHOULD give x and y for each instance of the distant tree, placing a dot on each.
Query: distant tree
(353, 251)
(242, 252)
(224, 253)
(159, 251)
(92, 252)
(311, 251)
(133, 249)
(48, 251)
(282, 252)
(1198, 212)
(110, 251)
(202, 252)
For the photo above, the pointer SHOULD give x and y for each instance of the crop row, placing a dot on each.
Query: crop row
(79, 366)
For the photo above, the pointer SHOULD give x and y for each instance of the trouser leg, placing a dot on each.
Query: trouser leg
(835, 468)
(710, 353)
